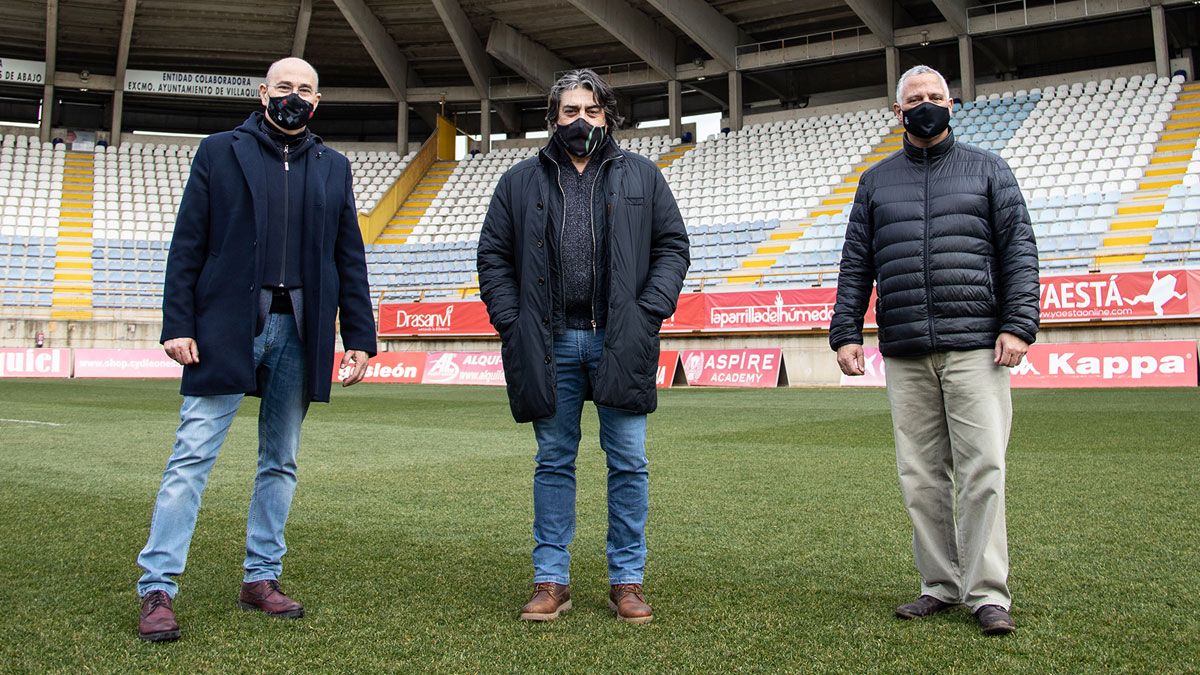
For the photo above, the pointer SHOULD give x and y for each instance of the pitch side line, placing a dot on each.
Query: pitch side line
(35, 422)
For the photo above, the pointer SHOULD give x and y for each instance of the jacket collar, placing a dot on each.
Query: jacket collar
(553, 153)
(257, 126)
(933, 153)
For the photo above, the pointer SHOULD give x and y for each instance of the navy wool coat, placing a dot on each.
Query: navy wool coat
(213, 269)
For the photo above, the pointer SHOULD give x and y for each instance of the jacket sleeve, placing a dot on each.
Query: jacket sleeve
(188, 253)
(354, 296)
(496, 259)
(856, 274)
(669, 257)
(1018, 291)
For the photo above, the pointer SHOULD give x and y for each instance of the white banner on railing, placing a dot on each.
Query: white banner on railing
(191, 84)
(22, 72)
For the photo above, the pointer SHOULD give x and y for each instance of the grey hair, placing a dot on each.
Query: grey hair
(588, 79)
(919, 70)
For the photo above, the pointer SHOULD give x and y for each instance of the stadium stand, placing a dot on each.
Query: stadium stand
(31, 189)
(766, 205)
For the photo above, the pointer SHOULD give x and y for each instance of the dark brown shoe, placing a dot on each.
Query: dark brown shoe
(156, 621)
(629, 602)
(266, 596)
(924, 606)
(548, 602)
(994, 620)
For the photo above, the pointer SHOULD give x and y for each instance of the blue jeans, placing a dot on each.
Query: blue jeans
(623, 438)
(204, 422)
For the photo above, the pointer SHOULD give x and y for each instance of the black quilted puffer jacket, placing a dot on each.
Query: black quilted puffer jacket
(944, 234)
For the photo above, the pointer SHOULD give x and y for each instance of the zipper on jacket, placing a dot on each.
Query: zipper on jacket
(928, 284)
(592, 217)
(562, 226)
(286, 224)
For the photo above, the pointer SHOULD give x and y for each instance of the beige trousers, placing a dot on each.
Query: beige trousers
(951, 413)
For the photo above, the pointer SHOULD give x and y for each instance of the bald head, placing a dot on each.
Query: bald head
(291, 68)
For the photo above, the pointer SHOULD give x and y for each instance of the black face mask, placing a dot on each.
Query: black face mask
(926, 120)
(290, 112)
(580, 138)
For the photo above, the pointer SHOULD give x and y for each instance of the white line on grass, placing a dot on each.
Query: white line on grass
(41, 424)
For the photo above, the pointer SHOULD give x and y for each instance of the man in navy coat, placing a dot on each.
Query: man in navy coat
(265, 254)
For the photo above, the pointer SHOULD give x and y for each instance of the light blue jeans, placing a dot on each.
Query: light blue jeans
(204, 422)
(623, 439)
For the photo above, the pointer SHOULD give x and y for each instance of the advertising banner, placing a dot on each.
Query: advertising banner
(483, 368)
(733, 367)
(1142, 296)
(1079, 365)
(434, 318)
(667, 364)
(35, 362)
(126, 363)
(390, 367)
(1124, 295)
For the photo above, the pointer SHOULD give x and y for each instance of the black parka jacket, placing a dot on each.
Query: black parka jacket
(944, 234)
(647, 261)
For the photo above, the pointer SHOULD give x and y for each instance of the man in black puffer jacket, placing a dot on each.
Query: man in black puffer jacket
(941, 230)
(582, 255)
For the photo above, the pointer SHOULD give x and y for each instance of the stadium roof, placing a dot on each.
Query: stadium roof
(378, 51)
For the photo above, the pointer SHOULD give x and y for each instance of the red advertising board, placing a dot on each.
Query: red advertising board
(1078, 365)
(434, 318)
(667, 363)
(759, 310)
(484, 368)
(390, 367)
(1108, 364)
(689, 314)
(126, 363)
(1160, 294)
(35, 362)
(733, 367)
(1124, 295)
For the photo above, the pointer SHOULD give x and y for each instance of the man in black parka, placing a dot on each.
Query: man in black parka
(582, 255)
(941, 230)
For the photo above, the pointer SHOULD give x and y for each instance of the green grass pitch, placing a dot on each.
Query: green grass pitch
(778, 540)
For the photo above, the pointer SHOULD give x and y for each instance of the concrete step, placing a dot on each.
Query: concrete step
(1129, 240)
(70, 315)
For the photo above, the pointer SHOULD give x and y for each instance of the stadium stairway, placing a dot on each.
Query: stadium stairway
(676, 152)
(409, 214)
(1132, 229)
(841, 195)
(72, 296)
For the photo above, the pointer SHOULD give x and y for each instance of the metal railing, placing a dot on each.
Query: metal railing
(815, 45)
(607, 71)
(982, 18)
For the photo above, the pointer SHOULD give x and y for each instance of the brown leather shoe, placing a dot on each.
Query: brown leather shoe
(924, 606)
(266, 596)
(548, 602)
(629, 602)
(994, 620)
(156, 621)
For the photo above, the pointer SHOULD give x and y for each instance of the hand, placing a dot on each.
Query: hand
(358, 359)
(850, 359)
(1010, 349)
(182, 351)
